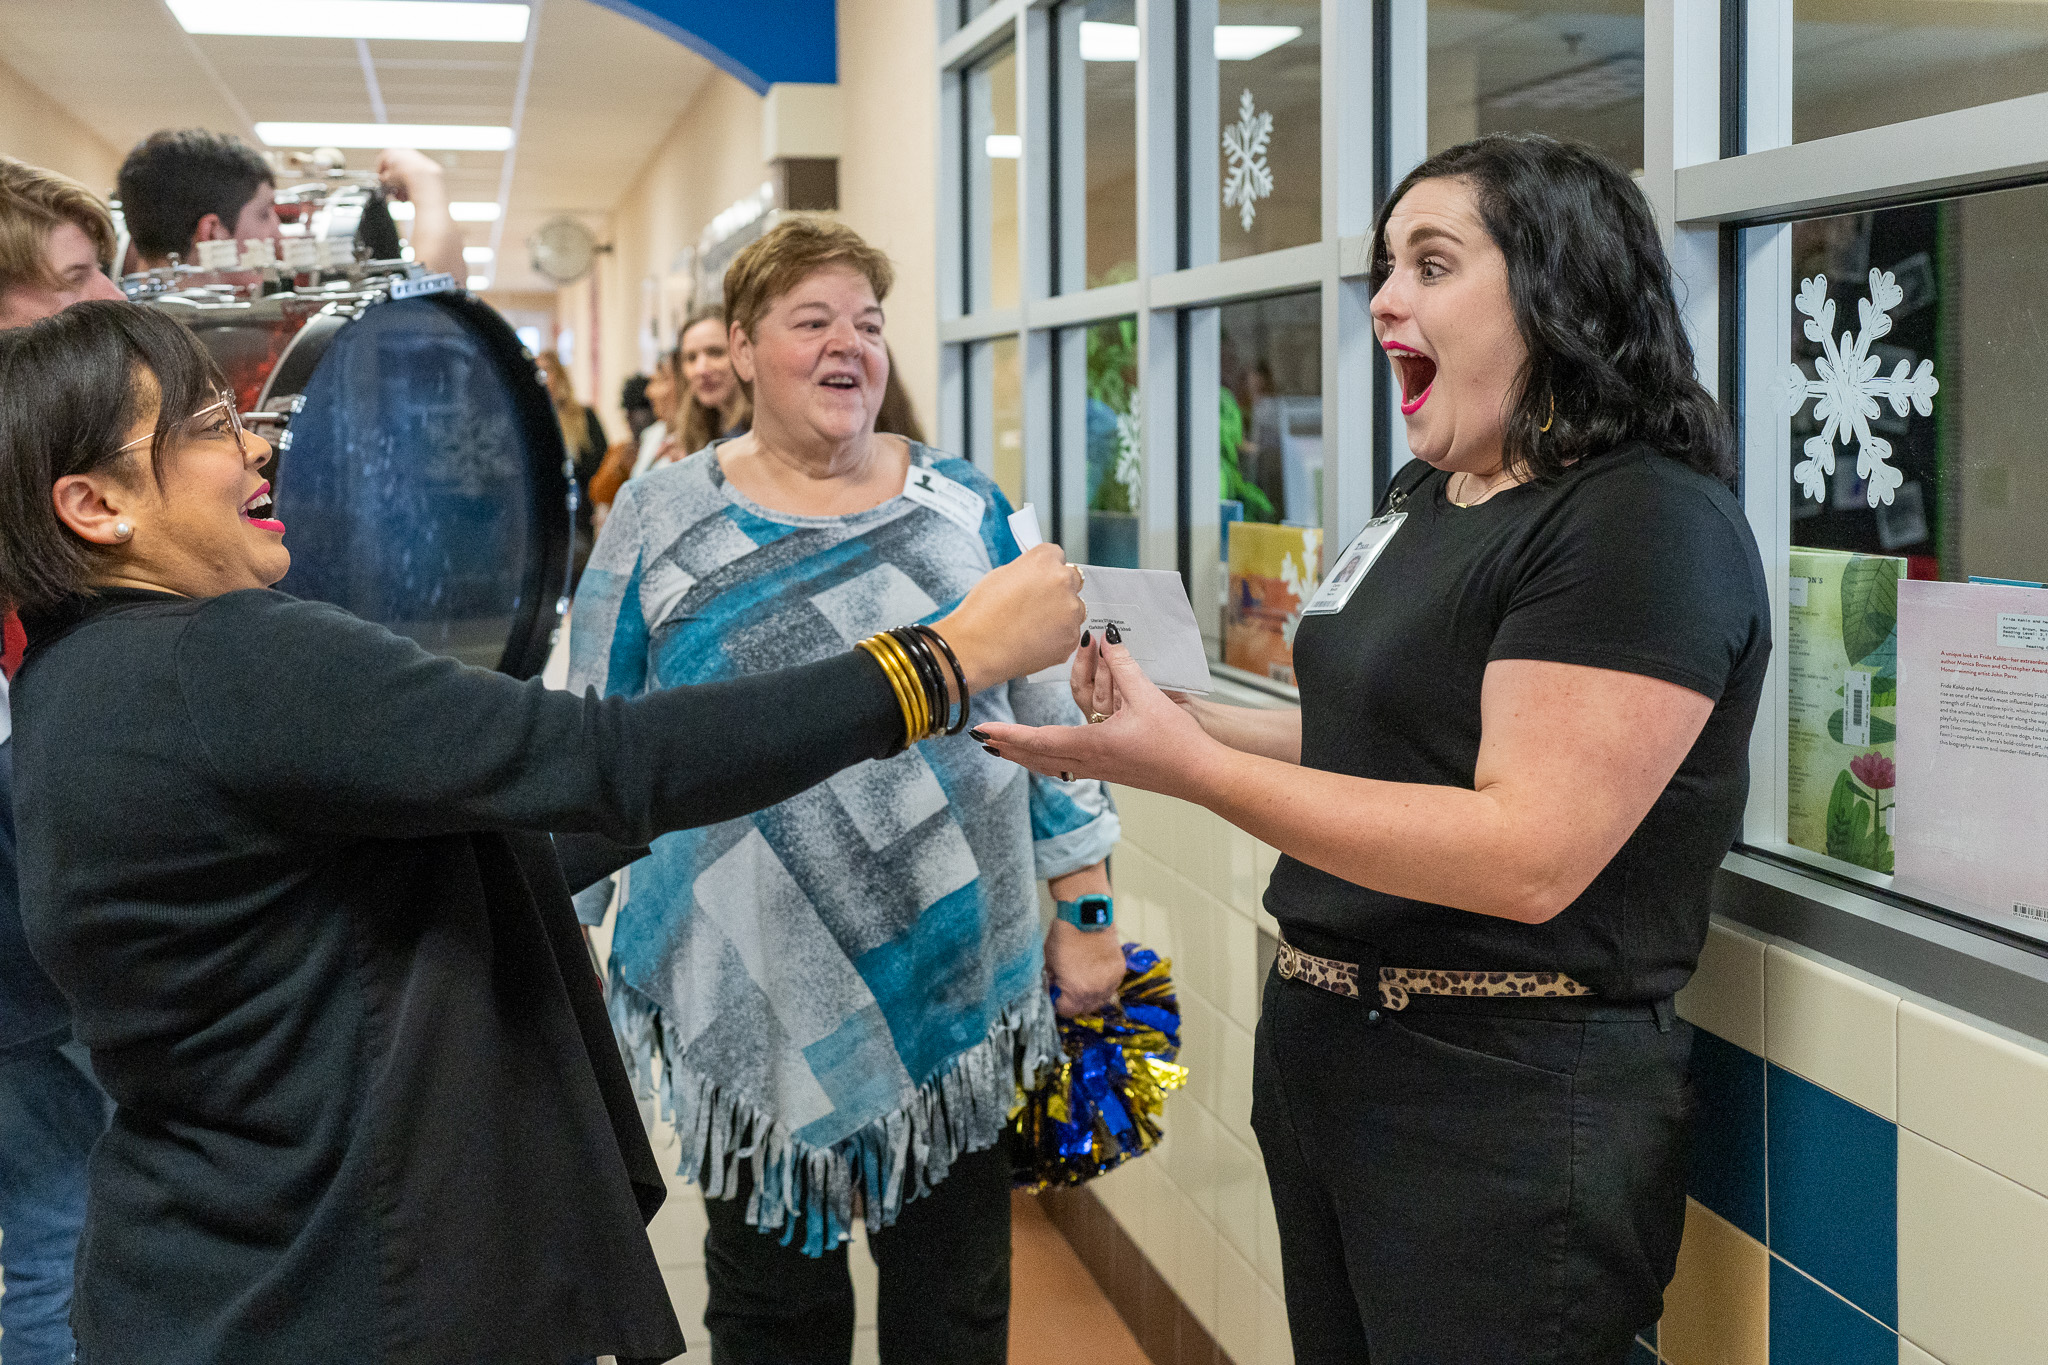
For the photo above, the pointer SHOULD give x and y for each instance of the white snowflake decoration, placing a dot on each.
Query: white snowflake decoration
(1129, 467)
(1248, 178)
(1847, 387)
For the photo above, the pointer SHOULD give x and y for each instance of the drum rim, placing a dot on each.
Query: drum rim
(544, 589)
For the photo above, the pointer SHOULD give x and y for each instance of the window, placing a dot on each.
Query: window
(991, 148)
(1264, 61)
(1556, 68)
(1858, 66)
(996, 438)
(1270, 454)
(1095, 105)
(1904, 413)
(1099, 409)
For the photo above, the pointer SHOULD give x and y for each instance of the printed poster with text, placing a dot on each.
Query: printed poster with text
(1842, 661)
(1973, 750)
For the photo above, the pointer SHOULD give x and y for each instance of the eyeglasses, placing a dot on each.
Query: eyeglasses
(234, 421)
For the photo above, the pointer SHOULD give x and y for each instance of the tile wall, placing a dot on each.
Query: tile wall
(1188, 886)
(1869, 1180)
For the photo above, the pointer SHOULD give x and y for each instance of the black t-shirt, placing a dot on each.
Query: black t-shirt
(1629, 561)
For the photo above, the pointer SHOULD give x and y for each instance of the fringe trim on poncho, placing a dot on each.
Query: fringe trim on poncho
(892, 1160)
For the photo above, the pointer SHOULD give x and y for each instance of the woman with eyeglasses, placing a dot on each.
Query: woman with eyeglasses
(293, 875)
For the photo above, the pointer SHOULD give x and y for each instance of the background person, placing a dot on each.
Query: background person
(712, 401)
(181, 187)
(289, 870)
(1521, 753)
(55, 243)
(582, 437)
(844, 992)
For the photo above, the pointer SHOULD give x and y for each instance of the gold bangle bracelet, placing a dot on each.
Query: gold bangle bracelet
(918, 690)
(896, 685)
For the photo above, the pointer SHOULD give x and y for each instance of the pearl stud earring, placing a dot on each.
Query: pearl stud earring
(122, 530)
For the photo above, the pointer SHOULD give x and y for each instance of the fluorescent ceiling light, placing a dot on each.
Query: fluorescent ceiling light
(1108, 42)
(1242, 42)
(479, 283)
(401, 211)
(478, 255)
(429, 20)
(474, 211)
(1005, 146)
(432, 137)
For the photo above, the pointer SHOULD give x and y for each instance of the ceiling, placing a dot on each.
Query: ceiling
(604, 91)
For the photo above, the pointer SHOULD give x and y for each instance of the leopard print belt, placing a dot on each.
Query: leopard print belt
(1396, 984)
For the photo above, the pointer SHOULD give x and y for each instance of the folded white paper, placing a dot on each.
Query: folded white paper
(1150, 610)
(1024, 526)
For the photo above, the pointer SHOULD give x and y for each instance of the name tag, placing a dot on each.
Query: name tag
(955, 502)
(1353, 565)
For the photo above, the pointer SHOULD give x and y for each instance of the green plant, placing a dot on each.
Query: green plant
(1230, 422)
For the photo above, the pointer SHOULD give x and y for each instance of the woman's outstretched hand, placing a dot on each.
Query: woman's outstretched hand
(1018, 619)
(1148, 741)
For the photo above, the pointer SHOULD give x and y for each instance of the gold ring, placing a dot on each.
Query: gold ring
(1066, 776)
(1080, 577)
(1096, 718)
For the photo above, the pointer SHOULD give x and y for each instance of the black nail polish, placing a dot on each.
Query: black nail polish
(1084, 638)
(1112, 634)
(993, 750)
(978, 735)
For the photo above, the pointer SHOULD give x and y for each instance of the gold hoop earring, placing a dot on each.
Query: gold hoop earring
(1552, 418)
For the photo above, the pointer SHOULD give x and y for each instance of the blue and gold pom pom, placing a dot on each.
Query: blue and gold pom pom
(1102, 1104)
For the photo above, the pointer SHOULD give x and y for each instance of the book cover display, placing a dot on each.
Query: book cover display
(1273, 571)
(1842, 651)
(1973, 753)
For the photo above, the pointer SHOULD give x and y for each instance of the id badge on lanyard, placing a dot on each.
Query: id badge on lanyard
(1353, 565)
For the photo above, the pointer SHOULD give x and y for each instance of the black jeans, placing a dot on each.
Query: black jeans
(944, 1294)
(1471, 1181)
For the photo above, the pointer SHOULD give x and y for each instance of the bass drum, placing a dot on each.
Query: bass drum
(420, 467)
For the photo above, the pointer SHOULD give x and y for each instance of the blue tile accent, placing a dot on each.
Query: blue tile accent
(1810, 1326)
(1728, 1132)
(1834, 1189)
(1642, 1355)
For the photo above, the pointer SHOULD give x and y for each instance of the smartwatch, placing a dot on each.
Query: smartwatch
(1089, 913)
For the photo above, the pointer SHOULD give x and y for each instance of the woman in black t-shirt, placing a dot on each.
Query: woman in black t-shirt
(1526, 698)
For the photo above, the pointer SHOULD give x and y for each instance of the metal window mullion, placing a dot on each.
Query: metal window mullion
(1763, 263)
(1034, 172)
(979, 35)
(1682, 127)
(1405, 139)
(1040, 440)
(1204, 338)
(981, 415)
(1070, 377)
(952, 204)
(1203, 153)
(1349, 489)
(1158, 362)
(1067, 111)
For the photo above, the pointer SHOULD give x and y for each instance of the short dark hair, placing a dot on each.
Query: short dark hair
(176, 177)
(70, 388)
(1609, 359)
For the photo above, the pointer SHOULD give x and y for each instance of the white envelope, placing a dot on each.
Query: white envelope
(1150, 610)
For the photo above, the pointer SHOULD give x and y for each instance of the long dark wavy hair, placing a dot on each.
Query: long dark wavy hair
(1609, 360)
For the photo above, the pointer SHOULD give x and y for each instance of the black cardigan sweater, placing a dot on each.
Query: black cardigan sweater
(288, 869)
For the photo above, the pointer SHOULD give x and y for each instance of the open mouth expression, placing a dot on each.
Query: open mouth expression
(256, 511)
(1417, 373)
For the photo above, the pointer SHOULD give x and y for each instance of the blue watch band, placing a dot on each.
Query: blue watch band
(1089, 913)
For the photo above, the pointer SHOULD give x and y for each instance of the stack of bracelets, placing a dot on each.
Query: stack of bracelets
(910, 656)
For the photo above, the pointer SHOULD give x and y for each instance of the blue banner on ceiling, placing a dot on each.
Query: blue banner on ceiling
(760, 42)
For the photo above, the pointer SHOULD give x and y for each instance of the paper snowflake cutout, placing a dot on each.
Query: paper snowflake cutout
(1248, 178)
(1847, 387)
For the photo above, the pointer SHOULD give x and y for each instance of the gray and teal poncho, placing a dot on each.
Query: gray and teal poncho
(843, 991)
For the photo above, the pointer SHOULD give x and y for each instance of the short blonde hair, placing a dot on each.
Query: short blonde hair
(787, 254)
(33, 202)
